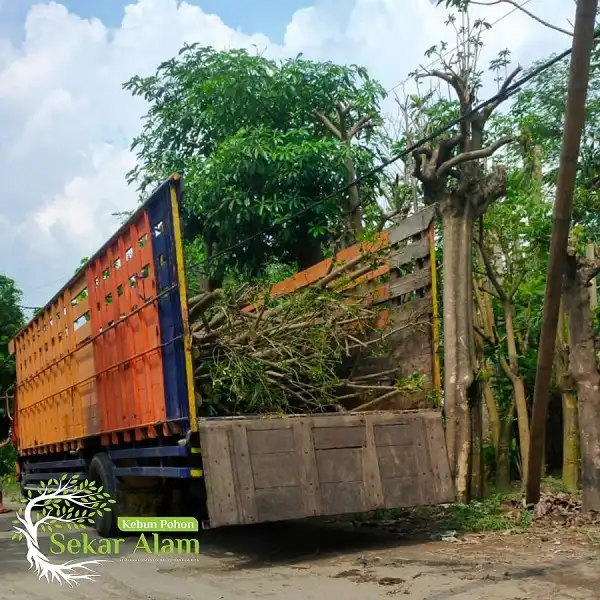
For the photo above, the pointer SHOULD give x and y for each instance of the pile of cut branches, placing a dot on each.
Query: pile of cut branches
(255, 354)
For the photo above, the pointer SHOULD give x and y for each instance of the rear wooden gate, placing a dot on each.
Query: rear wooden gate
(272, 469)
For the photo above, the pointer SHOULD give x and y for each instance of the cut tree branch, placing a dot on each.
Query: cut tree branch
(325, 120)
(474, 155)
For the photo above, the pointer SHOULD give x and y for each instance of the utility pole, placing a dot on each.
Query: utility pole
(583, 40)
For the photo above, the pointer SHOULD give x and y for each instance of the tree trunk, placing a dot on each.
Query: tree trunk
(582, 359)
(486, 323)
(309, 250)
(459, 359)
(355, 213)
(477, 462)
(519, 390)
(214, 279)
(565, 384)
(492, 411)
(503, 452)
(570, 469)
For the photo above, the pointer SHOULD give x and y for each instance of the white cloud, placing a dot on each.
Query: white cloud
(66, 123)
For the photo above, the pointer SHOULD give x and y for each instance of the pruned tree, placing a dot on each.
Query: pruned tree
(583, 369)
(454, 178)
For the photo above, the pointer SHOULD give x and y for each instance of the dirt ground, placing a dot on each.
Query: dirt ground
(305, 561)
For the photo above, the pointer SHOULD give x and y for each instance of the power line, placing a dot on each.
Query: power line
(500, 96)
(441, 57)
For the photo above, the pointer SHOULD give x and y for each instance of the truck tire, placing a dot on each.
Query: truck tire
(101, 472)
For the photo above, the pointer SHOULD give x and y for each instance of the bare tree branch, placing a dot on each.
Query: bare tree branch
(528, 13)
(454, 81)
(332, 128)
(474, 155)
(506, 368)
(494, 187)
(485, 337)
(362, 122)
(490, 271)
(490, 108)
(389, 215)
(517, 285)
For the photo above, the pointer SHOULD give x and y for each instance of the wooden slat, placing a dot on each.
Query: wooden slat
(406, 254)
(218, 474)
(351, 436)
(405, 285)
(412, 226)
(245, 481)
(307, 468)
(339, 464)
(270, 441)
(371, 473)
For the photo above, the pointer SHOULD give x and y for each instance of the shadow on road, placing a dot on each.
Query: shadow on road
(250, 546)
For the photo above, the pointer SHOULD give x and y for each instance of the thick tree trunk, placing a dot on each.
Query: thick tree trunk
(570, 469)
(459, 351)
(585, 373)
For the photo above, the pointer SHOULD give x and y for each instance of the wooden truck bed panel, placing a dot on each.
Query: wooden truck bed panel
(271, 469)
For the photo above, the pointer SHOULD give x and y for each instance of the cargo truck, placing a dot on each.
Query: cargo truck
(105, 389)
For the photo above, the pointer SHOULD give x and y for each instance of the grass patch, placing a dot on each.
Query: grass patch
(498, 512)
(491, 514)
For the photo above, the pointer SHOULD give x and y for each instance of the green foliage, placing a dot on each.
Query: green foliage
(538, 113)
(311, 357)
(243, 131)
(11, 320)
(81, 264)
(8, 458)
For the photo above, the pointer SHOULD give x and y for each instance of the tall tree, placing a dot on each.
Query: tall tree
(583, 43)
(453, 177)
(258, 142)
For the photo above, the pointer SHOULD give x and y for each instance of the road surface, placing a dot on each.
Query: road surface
(306, 561)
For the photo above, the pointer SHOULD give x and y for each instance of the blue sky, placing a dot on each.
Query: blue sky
(266, 16)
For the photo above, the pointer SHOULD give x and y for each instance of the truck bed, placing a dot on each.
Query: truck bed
(271, 469)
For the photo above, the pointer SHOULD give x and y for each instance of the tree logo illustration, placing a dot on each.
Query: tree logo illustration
(66, 504)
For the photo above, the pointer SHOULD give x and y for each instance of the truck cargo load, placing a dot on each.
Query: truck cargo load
(105, 388)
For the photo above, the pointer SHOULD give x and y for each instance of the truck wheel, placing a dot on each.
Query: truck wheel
(101, 473)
